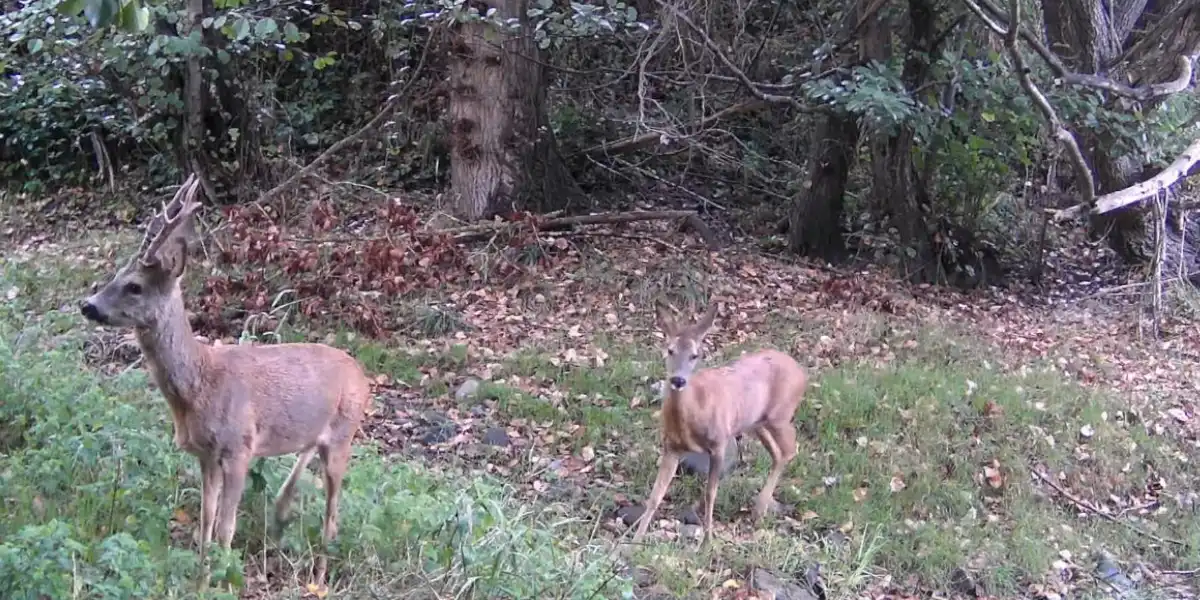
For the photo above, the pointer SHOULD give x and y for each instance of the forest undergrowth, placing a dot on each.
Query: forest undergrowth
(1001, 443)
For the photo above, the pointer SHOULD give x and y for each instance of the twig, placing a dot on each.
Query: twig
(1089, 507)
(725, 60)
(645, 140)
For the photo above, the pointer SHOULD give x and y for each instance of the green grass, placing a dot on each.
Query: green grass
(92, 491)
(933, 420)
(91, 482)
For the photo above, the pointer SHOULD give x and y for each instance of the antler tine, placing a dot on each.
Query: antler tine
(173, 213)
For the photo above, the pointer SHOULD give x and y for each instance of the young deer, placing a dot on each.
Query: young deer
(703, 411)
(231, 404)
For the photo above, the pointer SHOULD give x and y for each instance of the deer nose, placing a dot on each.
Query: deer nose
(678, 382)
(90, 311)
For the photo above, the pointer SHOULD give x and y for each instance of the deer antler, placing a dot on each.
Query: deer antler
(173, 214)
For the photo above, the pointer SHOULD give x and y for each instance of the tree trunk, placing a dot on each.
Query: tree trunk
(1089, 36)
(503, 155)
(816, 227)
(898, 191)
(192, 141)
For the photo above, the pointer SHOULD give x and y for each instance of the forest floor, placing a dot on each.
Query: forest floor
(1021, 442)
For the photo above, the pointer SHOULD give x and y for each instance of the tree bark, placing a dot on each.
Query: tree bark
(898, 192)
(816, 227)
(503, 153)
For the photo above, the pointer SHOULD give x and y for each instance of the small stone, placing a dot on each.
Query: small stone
(467, 390)
(762, 580)
(587, 453)
(630, 514)
(696, 463)
(438, 433)
(496, 436)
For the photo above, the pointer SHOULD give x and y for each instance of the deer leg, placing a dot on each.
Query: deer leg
(283, 501)
(336, 459)
(234, 469)
(780, 441)
(716, 463)
(666, 472)
(210, 495)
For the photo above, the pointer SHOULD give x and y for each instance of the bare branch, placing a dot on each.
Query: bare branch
(741, 76)
(645, 140)
(1181, 82)
(1086, 183)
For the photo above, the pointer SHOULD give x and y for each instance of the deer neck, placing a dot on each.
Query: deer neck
(177, 361)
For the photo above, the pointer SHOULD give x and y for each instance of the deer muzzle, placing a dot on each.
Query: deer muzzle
(91, 312)
(677, 383)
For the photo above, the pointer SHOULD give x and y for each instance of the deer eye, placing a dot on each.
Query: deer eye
(670, 352)
(695, 356)
(134, 289)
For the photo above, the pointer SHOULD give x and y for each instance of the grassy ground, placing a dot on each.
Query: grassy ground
(921, 464)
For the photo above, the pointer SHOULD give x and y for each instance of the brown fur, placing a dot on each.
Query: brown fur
(231, 404)
(756, 393)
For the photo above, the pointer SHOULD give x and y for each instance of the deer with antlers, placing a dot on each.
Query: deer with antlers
(705, 410)
(231, 404)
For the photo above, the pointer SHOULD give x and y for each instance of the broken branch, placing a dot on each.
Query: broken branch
(1177, 170)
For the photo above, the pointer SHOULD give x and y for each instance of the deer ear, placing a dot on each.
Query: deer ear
(172, 257)
(666, 322)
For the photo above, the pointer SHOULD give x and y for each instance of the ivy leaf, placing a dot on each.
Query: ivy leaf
(100, 13)
(291, 33)
(265, 27)
(71, 8)
(241, 29)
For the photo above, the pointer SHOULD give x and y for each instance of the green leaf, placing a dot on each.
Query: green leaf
(291, 33)
(71, 8)
(100, 13)
(128, 18)
(241, 29)
(987, 116)
(34, 45)
(265, 27)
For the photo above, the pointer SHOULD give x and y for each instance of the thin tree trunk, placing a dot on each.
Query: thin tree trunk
(503, 153)
(816, 227)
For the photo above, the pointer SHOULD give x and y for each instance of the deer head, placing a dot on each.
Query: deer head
(684, 343)
(139, 293)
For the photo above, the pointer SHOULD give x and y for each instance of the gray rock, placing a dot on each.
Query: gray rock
(630, 514)
(496, 436)
(762, 580)
(696, 463)
(691, 532)
(440, 430)
(961, 582)
(467, 390)
(690, 516)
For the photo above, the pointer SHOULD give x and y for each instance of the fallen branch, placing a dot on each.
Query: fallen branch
(488, 229)
(1089, 507)
(1182, 167)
